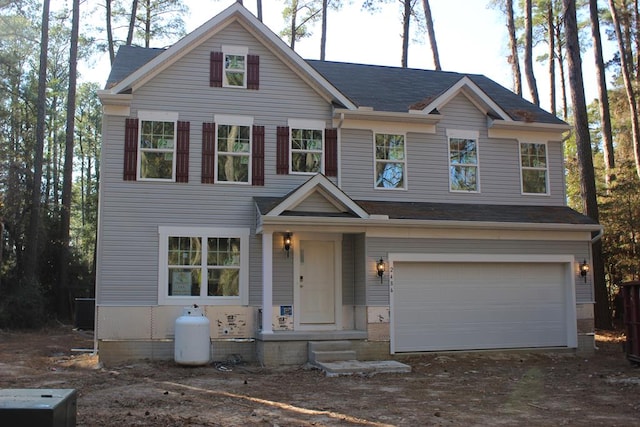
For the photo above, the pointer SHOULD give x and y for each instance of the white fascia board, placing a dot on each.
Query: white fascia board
(115, 104)
(107, 97)
(523, 130)
(394, 121)
(267, 220)
(318, 181)
(469, 85)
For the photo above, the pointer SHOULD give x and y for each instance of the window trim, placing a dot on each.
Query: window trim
(237, 51)
(463, 134)
(231, 120)
(546, 168)
(405, 176)
(306, 124)
(157, 116)
(164, 232)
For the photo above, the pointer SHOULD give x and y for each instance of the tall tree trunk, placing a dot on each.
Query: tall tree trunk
(294, 16)
(323, 37)
(132, 22)
(514, 60)
(605, 115)
(563, 79)
(585, 159)
(406, 19)
(432, 34)
(528, 53)
(626, 77)
(636, 19)
(62, 293)
(552, 63)
(112, 50)
(31, 262)
(147, 24)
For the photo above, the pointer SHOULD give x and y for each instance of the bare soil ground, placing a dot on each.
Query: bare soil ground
(496, 389)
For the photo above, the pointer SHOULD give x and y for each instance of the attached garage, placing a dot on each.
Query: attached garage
(477, 302)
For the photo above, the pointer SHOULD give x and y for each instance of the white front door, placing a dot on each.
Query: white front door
(318, 294)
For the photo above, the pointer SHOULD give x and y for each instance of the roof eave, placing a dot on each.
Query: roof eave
(544, 127)
(375, 221)
(411, 116)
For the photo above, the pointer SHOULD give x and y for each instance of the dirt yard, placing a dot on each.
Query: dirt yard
(444, 390)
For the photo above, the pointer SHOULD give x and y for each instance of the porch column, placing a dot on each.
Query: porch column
(267, 282)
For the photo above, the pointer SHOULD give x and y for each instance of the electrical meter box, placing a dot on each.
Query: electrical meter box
(38, 407)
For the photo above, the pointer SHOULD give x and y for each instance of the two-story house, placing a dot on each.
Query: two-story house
(401, 210)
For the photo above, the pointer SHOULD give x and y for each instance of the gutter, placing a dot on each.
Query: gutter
(266, 221)
(598, 236)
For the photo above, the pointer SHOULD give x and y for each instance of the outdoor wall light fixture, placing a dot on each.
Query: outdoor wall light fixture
(380, 268)
(584, 269)
(287, 243)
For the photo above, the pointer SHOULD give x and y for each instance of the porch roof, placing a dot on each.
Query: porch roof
(455, 212)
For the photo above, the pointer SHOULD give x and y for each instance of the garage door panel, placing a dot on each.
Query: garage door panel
(464, 306)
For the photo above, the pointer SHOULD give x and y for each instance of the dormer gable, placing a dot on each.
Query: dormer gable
(468, 88)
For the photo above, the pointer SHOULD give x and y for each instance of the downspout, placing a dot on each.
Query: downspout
(598, 236)
(339, 150)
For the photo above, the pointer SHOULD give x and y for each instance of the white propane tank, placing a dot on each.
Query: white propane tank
(192, 342)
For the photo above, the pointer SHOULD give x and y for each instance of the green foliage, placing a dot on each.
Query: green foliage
(620, 215)
(22, 305)
(299, 15)
(29, 304)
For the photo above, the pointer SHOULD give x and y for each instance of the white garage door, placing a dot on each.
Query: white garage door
(471, 306)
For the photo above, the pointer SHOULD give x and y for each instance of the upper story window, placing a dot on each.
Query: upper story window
(533, 168)
(207, 265)
(307, 146)
(390, 161)
(233, 148)
(235, 66)
(157, 145)
(463, 161)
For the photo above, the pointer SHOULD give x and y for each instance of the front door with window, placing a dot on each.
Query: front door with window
(317, 290)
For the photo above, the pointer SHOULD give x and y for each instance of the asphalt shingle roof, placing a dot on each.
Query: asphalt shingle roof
(129, 59)
(384, 88)
(397, 89)
(427, 211)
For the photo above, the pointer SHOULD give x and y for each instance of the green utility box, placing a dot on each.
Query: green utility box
(38, 407)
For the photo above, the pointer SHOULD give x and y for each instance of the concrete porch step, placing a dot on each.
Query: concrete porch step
(330, 351)
(331, 356)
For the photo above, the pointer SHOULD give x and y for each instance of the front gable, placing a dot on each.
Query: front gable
(158, 61)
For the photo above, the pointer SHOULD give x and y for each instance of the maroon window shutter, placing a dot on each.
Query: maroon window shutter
(215, 71)
(282, 148)
(257, 156)
(331, 152)
(253, 72)
(182, 152)
(208, 152)
(130, 150)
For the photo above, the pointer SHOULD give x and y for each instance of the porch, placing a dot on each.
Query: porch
(279, 348)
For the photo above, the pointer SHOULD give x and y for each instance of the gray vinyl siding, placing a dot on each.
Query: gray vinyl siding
(360, 270)
(282, 273)
(378, 294)
(131, 211)
(427, 164)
